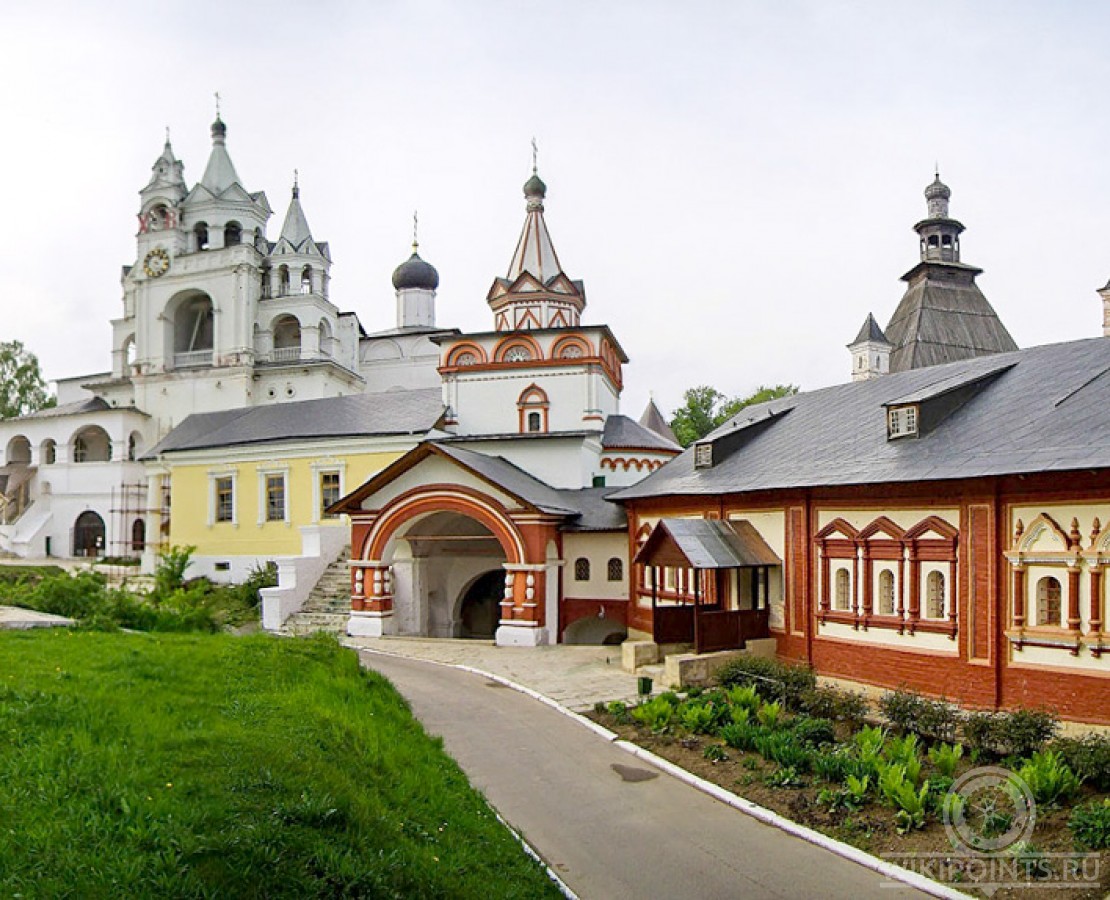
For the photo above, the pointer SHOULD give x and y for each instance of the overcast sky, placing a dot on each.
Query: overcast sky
(735, 182)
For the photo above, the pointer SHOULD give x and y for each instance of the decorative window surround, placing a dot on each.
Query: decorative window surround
(319, 468)
(263, 473)
(215, 475)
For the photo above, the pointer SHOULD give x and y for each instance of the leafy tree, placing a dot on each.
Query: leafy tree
(22, 387)
(705, 408)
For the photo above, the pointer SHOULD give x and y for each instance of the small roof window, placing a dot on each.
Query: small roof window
(901, 421)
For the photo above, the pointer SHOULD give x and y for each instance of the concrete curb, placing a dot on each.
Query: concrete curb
(845, 851)
(531, 851)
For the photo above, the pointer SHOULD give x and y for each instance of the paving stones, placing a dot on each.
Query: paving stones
(574, 675)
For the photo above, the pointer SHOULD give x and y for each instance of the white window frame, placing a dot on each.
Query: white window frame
(265, 472)
(834, 574)
(945, 597)
(902, 421)
(319, 468)
(215, 475)
(877, 588)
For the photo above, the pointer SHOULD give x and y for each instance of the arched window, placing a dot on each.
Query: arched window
(49, 452)
(327, 342)
(581, 569)
(843, 590)
(533, 406)
(200, 235)
(287, 339)
(1049, 607)
(92, 444)
(616, 569)
(233, 234)
(19, 451)
(306, 280)
(193, 332)
(934, 595)
(283, 280)
(264, 281)
(886, 593)
(138, 535)
(134, 446)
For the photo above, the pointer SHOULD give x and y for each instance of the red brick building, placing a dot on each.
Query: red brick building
(946, 529)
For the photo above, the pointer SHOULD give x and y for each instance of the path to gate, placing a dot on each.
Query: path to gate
(609, 824)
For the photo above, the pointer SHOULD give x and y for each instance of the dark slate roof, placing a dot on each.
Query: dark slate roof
(595, 512)
(623, 432)
(944, 317)
(870, 331)
(356, 415)
(76, 408)
(653, 420)
(1048, 412)
(708, 544)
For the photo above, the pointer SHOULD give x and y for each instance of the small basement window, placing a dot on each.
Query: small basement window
(703, 456)
(901, 421)
(223, 567)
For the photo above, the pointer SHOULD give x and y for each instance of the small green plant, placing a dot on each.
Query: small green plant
(834, 766)
(898, 790)
(770, 715)
(750, 763)
(618, 711)
(1090, 825)
(938, 786)
(1049, 778)
(740, 715)
(857, 789)
(714, 753)
(785, 777)
(1035, 863)
(869, 742)
(699, 718)
(745, 697)
(945, 757)
(739, 735)
(655, 714)
(785, 682)
(670, 697)
(783, 748)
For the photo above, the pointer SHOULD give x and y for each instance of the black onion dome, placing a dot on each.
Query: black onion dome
(415, 273)
(219, 129)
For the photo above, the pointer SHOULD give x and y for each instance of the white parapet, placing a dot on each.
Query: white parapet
(297, 576)
(520, 636)
(369, 624)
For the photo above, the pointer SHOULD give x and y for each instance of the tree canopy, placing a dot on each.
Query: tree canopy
(705, 408)
(22, 387)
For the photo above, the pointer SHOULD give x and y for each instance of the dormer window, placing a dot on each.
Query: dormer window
(703, 456)
(901, 421)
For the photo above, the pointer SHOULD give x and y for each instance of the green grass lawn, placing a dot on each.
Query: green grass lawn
(215, 766)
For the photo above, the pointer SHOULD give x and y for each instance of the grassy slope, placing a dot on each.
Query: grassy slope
(213, 766)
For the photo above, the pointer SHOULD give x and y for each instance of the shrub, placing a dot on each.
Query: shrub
(783, 748)
(655, 714)
(670, 698)
(1088, 757)
(814, 732)
(833, 703)
(1049, 778)
(780, 681)
(911, 713)
(945, 757)
(1018, 733)
(1090, 825)
(618, 711)
(1034, 861)
(938, 786)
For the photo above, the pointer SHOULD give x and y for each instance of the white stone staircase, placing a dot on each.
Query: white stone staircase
(328, 605)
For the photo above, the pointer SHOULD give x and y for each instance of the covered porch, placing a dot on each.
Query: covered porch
(709, 583)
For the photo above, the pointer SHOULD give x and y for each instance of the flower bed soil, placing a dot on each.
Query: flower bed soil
(872, 828)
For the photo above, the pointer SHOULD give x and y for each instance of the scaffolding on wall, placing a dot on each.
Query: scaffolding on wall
(133, 520)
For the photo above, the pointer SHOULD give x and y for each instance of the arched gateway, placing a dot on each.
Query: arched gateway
(463, 557)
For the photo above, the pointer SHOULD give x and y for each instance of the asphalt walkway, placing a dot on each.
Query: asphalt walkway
(612, 826)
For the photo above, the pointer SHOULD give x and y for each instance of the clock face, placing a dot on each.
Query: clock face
(156, 263)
